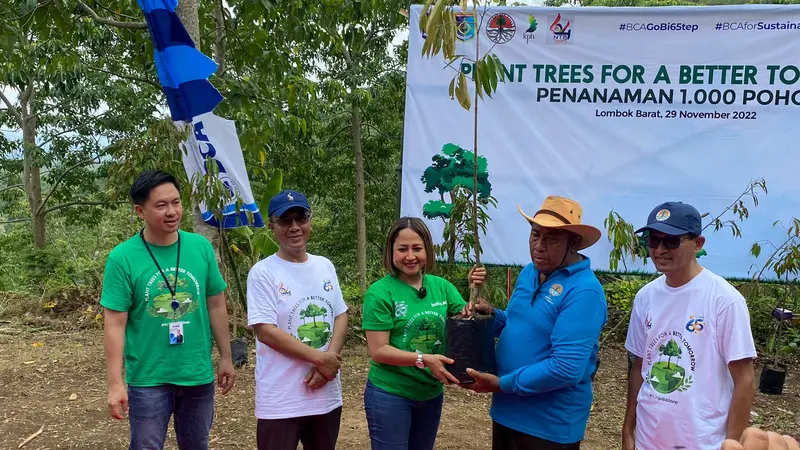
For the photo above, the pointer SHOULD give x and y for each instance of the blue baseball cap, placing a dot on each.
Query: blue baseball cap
(286, 200)
(674, 219)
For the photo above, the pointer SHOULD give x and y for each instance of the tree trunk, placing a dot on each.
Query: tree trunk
(187, 12)
(400, 180)
(451, 248)
(361, 226)
(475, 292)
(31, 173)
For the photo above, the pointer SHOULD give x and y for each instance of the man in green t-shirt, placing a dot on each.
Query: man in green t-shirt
(164, 300)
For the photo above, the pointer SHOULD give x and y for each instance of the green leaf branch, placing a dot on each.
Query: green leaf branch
(626, 244)
(439, 24)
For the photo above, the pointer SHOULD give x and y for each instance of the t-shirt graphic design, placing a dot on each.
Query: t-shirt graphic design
(310, 321)
(667, 355)
(424, 332)
(159, 298)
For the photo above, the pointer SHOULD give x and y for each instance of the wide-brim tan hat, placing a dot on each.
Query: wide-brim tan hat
(565, 214)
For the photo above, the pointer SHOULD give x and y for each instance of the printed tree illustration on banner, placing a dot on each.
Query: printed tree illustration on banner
(442, 26)
(451, 169)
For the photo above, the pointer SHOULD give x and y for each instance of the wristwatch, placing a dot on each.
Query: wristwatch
(420, 363)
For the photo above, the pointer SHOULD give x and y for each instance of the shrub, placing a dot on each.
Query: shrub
(620, 293)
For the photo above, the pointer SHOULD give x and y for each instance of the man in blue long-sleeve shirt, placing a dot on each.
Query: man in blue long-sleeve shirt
(548, 337)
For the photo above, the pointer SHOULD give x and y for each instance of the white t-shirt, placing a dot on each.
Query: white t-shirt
(301, 299)
(686, 337)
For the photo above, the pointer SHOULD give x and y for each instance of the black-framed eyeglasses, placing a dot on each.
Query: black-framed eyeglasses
(286, 222)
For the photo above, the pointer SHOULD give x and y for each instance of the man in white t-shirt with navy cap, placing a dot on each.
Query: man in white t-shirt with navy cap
(692, 384)
(298, 313)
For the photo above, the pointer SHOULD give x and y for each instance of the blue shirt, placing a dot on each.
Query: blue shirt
(547, 351)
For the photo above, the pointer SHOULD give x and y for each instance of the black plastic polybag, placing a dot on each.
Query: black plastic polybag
(470, 343)
(239, 352)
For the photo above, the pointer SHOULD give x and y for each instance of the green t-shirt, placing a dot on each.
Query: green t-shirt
(414, 324)
(133, 283)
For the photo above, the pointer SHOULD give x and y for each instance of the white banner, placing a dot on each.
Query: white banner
(216, 138)
(620, 109)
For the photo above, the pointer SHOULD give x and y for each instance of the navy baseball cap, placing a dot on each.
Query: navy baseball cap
(286, 200)
(674, 219)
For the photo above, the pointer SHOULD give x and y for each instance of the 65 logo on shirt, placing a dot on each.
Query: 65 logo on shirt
(695, 324)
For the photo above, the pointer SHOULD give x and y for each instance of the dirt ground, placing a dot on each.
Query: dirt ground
(56, 380)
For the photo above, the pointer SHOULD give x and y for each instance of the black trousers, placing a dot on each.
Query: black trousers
(504, 438)
(315, 432)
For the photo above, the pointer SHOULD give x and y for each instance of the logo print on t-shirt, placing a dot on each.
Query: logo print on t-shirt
(316, 314)
(284, 290)
(159, 298)
(327, 285)
(400, 309)
(556, 290)
(423, 332)
(695, 324)
(667, 375)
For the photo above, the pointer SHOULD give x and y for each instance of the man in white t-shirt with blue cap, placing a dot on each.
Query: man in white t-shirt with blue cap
(296, 309)
(692, 384)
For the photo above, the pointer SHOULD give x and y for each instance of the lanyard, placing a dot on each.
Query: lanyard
(172, 290)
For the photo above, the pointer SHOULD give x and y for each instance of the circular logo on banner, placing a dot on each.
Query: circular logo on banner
(662, 215)
(501, 28)
(231, 187)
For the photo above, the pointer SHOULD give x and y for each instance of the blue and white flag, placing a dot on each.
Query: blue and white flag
(183, 72)
(210, 133)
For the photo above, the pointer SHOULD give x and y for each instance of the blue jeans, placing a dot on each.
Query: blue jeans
(150, 408)
(398, 423)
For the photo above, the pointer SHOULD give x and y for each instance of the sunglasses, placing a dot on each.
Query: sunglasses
(286, 222)
(670, 242)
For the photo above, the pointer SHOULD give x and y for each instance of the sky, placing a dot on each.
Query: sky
(12, 97)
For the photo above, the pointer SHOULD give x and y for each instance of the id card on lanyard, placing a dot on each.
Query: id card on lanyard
(176, 336)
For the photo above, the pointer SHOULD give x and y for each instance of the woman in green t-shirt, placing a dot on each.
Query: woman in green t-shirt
(404, 317)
